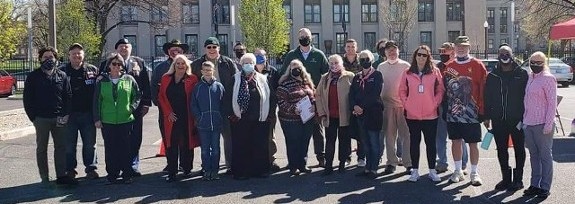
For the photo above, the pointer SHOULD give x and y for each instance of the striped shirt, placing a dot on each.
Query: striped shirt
(540, 100)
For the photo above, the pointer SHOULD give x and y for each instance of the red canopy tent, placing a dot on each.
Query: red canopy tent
(563, 31)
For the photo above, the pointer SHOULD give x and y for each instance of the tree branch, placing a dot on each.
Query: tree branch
(120, 23)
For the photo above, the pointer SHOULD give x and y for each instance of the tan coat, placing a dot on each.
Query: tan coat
(322, 96)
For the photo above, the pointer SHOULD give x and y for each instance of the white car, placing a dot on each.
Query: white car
(558, 68)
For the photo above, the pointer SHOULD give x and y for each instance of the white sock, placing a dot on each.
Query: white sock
(473, 168)
(458, 165)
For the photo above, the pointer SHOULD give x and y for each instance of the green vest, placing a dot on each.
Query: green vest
(116, 111)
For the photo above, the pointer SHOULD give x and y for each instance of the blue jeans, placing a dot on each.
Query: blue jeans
(441, 142)
(136, 139)
(82, 122)
(297, 136)
(372, 149)
(210, 144)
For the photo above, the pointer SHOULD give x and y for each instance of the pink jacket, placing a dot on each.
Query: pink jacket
(421, 96)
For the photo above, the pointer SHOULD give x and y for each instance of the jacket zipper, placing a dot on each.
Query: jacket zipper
(211, 114)
(502, 99)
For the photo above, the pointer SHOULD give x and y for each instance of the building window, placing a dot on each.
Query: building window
(221, 11)
(454, 10)
(369, 11)
(159, 14)
(315, 40)
(515, 43)
(223, 38)
(192, 41)
(517, 28)
(159, 41)
(452, 35)
(340, 42)
(503, 20)
(490, 12)
(191, 11)
(128, 13)
(503, 41)
(133, 42)
(490, 43)
(425, 11)
(341, 11)
(503, 13)
(491, 20)
(503, 27)
(369, 41)
(425, 38)
(312, 11)
(287, 8)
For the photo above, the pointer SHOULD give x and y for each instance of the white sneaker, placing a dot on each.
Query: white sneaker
(414, 175)
(361, 163)
(433, 175)
(475, 179)
(457, 176)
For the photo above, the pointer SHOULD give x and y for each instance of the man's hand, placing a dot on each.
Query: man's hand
(98, 124)
(172, 117)
(145, 110)
(487, 124)
(548, 129)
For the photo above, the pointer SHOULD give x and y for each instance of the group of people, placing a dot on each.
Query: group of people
(384, 104)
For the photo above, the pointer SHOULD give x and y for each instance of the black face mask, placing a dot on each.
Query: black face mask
(365, 63)
(305, 41)
(536, 68)
(239, 54)
(444, 58)
(295, 72)
(49, 64)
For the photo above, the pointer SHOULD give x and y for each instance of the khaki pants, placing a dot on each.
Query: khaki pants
(394, 126)
(45, 126)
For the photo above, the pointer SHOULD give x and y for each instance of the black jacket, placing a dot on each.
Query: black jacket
(368, 99)
(82, 87)
(504, 100)
(273, 77)
(157, 74)
(143, 78)
(47, 96)
(226, 70)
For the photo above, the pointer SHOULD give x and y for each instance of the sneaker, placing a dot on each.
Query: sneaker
(361, 162)
(389, 169)
(440, 168)
(531, 191)
(414, 175)
(433, 175)
(475, 179)
(457, 176)
(543, 194)
(92, 175)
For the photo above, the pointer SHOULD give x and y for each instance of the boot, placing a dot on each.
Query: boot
(517, 180)
(505, 183)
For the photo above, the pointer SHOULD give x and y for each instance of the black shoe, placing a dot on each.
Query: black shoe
(543, 194)
(274, 167)
(327, 172)
(229, 172)
(389, 169)
(517, 183)
(165, 170)
(371, 175)
(305, 170)
(187, 173)
(531, 191)
(341, 168)
(407, 171)
(171, 178)
(294, 172)
(72, 174)
(92, 175)
(505, 182)
(127, 180)
(66, 180)
(321, 162)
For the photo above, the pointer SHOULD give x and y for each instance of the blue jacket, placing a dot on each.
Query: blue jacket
(205, 104)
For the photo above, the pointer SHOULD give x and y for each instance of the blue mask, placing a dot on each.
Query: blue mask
(260, 59)
(248, 68)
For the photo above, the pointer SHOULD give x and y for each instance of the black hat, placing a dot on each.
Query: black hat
(75, 45)
(175, 43)
(389, 44)
(121, 42)
(212, 41)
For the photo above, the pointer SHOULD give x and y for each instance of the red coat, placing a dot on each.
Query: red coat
(189, 84)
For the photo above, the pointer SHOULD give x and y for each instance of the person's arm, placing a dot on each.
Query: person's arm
(96, 102)
(439, 89)
(155, 83)
(28, 98)
(319, 102)
(372, 97)
(163, 98)
(403, 89)
(550, 89)
(144, 85)
(482, 78)
(324, 65)
(136, 94)
(66, 96)
(194, 102)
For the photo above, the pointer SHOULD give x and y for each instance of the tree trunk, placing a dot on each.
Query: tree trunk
(102, 27)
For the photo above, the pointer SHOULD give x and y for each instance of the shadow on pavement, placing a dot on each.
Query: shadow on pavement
(563, 151)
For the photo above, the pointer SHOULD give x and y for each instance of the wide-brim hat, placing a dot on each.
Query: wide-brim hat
(175, 43)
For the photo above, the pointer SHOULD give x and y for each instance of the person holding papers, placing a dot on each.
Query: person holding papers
(367, 107)
(295, 95)
(250, 121)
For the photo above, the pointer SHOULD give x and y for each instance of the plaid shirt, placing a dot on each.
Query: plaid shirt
(540, 100)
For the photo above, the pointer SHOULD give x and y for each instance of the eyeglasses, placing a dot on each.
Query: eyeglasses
(116, 64)
(241, 49)
(536, 62)
(422, 55)
(211, 47)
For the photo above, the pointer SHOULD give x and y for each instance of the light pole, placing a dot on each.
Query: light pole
(486, 25)
(52, 23)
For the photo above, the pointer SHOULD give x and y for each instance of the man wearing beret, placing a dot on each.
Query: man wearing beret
(225, 68)
(136, 67)
(172, 49)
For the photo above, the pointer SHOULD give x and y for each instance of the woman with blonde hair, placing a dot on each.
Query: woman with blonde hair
(294, 85)
(180, 134)
(332, 102)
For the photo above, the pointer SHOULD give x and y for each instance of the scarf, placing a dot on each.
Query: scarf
(364, 77)
(244, 93)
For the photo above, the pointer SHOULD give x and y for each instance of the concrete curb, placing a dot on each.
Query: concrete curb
(16, 97)
(17, 133)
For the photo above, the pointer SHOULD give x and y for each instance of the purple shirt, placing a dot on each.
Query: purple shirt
(540, 100)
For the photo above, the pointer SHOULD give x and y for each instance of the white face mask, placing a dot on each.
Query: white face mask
(505, 61)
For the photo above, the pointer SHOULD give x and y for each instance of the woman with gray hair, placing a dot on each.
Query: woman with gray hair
(249, 122)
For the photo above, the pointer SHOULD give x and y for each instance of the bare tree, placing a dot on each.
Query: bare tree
(399, 16)
(537, 16)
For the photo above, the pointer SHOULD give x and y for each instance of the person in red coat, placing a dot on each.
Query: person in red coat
(180, 134)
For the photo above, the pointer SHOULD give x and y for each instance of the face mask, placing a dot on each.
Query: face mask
(295, 72)
(49, 64)
(260, 59)
(536, 68)
(504, 58)
(239, 54)
(248, 68)
(334, 68)
(305, 41)
(365, 63)
(444, 58)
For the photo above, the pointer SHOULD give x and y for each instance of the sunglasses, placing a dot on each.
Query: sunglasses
(211, 47)
(239, 49)
(536, 62)
(422, 55)
(116, 64)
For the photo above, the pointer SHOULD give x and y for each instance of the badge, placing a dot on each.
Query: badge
(89, 81)
(420, 88)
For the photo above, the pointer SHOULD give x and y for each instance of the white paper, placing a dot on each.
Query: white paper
(304, 105)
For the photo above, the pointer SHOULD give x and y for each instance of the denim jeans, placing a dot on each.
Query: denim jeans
(82, 122)
(210, 144)
(441, 142)
(372, 149)
(136, 139)
(297, 136)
